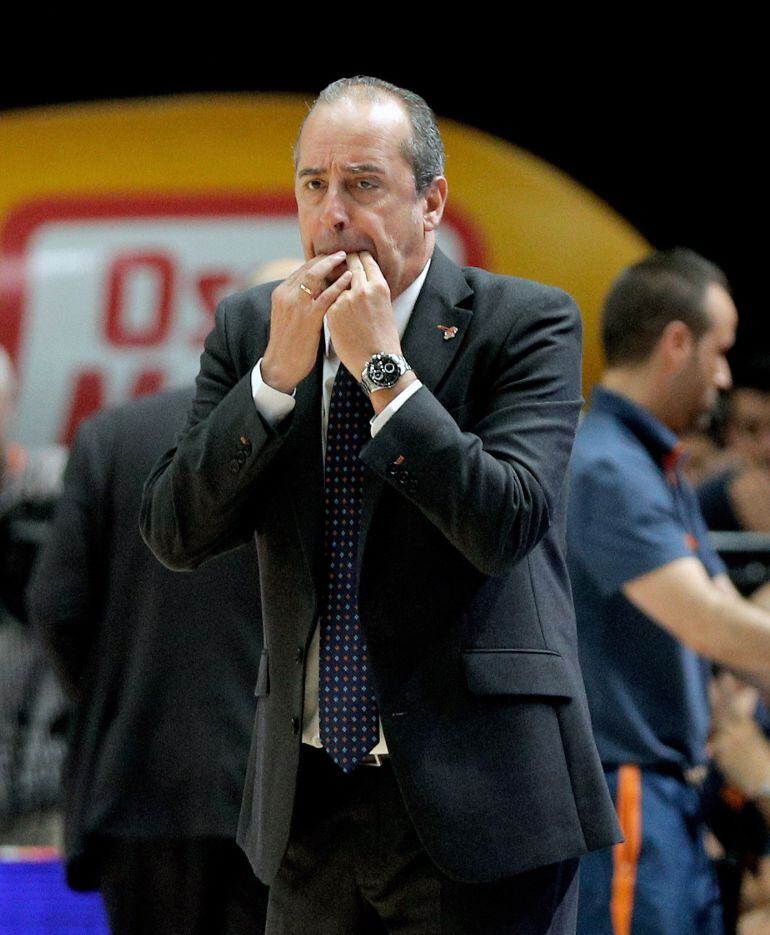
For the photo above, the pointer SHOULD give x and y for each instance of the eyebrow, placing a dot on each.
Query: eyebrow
(356, 168)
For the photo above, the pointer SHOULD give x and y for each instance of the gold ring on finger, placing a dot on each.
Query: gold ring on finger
(306, 289)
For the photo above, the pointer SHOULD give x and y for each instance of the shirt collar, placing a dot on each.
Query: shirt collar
(403, 307)
(657, 438)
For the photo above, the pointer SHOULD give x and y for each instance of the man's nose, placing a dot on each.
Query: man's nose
(334, 215)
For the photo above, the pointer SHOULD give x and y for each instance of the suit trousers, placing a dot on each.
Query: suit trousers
(180, 886)
(355, 864)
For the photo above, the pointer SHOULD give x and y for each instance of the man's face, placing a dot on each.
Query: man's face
(748, 427)
(355, 190)
(706, 372)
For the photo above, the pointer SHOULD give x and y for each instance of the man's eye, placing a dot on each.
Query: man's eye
(365, 184)
(314, 184)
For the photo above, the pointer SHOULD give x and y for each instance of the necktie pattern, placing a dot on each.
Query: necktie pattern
(349, 719)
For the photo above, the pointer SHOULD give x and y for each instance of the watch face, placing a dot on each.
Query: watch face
(383, 370)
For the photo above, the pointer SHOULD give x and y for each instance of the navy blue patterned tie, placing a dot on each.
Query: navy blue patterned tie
(349, 720)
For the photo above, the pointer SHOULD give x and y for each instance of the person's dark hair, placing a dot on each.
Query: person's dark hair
(666, 286)
(424, 151)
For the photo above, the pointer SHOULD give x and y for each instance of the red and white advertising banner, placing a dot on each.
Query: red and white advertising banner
(113, 297)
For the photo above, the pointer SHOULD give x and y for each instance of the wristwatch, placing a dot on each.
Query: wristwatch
(382, 371)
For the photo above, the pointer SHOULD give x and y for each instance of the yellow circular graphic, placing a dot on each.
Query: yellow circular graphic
(122, 224)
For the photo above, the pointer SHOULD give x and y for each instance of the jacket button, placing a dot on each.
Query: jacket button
(392, 471)
(412, 485)
(299, 654)
(235, 466)
(295, 726)
(241, 457)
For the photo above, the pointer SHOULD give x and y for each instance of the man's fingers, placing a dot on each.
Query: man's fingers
(330, 295)
(321, 266)
(371, 269)
(313, 273)
(356, 267)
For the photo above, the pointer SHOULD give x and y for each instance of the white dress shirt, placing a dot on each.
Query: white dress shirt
(274, 406)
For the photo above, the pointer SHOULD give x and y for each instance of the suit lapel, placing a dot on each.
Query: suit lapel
(438, 307)
(436, 313)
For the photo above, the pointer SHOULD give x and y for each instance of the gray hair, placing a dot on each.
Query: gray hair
(424, 151)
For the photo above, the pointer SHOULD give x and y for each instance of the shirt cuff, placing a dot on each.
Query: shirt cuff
(272, 404)
(393, 406)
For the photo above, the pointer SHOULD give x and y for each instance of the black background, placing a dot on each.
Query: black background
(670, 136)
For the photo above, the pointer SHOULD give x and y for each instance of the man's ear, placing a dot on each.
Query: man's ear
(435, 199)
(677, 342)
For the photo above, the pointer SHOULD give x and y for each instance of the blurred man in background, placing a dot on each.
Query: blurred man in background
(652, 597)
(161, 670)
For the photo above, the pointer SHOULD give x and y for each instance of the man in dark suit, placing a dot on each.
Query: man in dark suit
(422, 755)
(161, 670)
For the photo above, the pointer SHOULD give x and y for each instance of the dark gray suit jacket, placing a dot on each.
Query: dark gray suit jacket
(161, 665)
(463, 589)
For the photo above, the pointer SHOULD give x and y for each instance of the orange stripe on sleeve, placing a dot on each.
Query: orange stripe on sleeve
(625, 856)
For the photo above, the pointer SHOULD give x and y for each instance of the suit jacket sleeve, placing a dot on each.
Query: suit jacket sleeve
(201, 496)
(494, 488)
